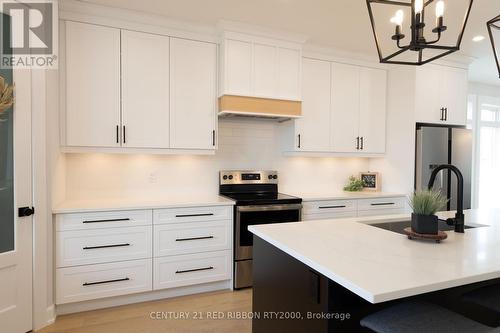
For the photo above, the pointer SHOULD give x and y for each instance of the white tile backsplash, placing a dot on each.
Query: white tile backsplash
(243, 144)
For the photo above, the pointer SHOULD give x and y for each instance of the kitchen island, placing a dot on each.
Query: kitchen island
(334, 272)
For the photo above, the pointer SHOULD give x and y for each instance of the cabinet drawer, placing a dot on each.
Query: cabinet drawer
(192, 214)
(382, 203)
(193, 237)
(185, 270)
(84, 247)
(98, 220)
(326, 216)
(329, 206)
(75, 284)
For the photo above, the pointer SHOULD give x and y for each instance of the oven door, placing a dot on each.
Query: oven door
(260, 214)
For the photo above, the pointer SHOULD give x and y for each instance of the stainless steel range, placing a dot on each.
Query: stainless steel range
(257, 202)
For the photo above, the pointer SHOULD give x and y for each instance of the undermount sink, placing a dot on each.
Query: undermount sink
(399, 226)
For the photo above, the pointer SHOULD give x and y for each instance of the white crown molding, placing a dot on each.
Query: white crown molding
(259, 31)
(322, 52)
(81, 11)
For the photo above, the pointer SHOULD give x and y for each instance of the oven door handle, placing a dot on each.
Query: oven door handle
(264, 208)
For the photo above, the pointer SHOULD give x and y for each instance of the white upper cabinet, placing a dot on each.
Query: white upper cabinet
(345, 108)
(193, 94)
(133, 90)
(313, 129)
(372, 110)
(145, 90)
(92, 85)
(441, 95)
(238, 67)
(260, 67)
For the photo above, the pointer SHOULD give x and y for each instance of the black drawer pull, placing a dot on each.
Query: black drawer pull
(112, 220)
(105, 246)
(327, 207)
(383, 204)
(107, 281)
(195, 215)
(193, 238)
(194, 270)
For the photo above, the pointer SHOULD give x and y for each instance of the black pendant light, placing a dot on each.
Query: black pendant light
(494, 31)
(425, 40)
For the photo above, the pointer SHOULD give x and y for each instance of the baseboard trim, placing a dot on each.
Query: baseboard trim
(141, 297)
(51, 314)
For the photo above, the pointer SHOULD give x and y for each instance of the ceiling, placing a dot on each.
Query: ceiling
(343, 24)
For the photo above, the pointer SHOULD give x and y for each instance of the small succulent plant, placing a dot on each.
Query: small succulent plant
(427, 202)
(354, 185)
(6, 95)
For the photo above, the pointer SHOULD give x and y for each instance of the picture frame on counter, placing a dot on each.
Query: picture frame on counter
(371, 181)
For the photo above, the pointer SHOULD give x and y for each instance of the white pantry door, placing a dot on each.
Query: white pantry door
(16, 242)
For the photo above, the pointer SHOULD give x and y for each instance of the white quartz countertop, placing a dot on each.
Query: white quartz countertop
(380, 265)
(81, 206)
(343, 195)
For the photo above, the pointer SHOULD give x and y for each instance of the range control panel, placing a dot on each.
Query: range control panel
(248, 177)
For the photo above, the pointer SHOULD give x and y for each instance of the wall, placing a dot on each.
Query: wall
(243, 144)
(481, 89)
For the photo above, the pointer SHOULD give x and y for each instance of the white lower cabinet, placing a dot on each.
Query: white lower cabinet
(334, 209)
(189, 269)
(114, 253)
(83, 283)
(103, 245)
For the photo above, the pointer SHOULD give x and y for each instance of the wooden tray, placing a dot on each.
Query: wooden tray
(441, 235)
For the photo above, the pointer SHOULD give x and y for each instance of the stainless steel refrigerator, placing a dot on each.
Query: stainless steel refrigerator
(444, 145)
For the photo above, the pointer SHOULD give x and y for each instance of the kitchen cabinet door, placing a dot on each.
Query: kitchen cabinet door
(193, 94)
(289, 74)
(427, 94)
(314, 126)
(454, 95)
(345, 101)
(238, 67)
(145, 90)
(265, 70)
(92, 85)
(372, 122)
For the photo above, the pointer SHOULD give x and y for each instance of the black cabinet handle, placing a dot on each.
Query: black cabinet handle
(213, 138)
(383, 204)
(194, 270)
(112, 220)
(124, 135)
(195, 215)
(25, 211)
(193, 238)
(357, 143)
(105, 246)
(446, 114)
(327, 207)
(362, 143)
(107, 281)
(117, 134)
(299, 142)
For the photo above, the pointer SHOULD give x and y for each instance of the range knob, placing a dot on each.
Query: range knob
(230, 177)
(270, 177)
(224, 177)
(275, 177)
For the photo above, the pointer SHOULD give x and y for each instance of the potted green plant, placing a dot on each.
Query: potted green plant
(425, 205)
(354, 185)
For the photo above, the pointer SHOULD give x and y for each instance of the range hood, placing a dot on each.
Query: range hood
(242, 106)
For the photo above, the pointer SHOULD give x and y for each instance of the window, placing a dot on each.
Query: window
(486, 125)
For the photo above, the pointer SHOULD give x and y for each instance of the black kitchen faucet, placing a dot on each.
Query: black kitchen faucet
(458, 221)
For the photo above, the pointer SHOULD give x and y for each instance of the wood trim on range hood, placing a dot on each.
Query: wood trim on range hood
(259, 107)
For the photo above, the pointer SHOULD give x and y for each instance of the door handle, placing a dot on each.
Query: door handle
(26, 211)
(105, 246)
(299, 141)
(195, 215)
(107, 281)
(362, 142)
(124, 135)
(446, 114)
(117, 134)
(194, 270)
(213, 138)
(357, 143)
(193, 238)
